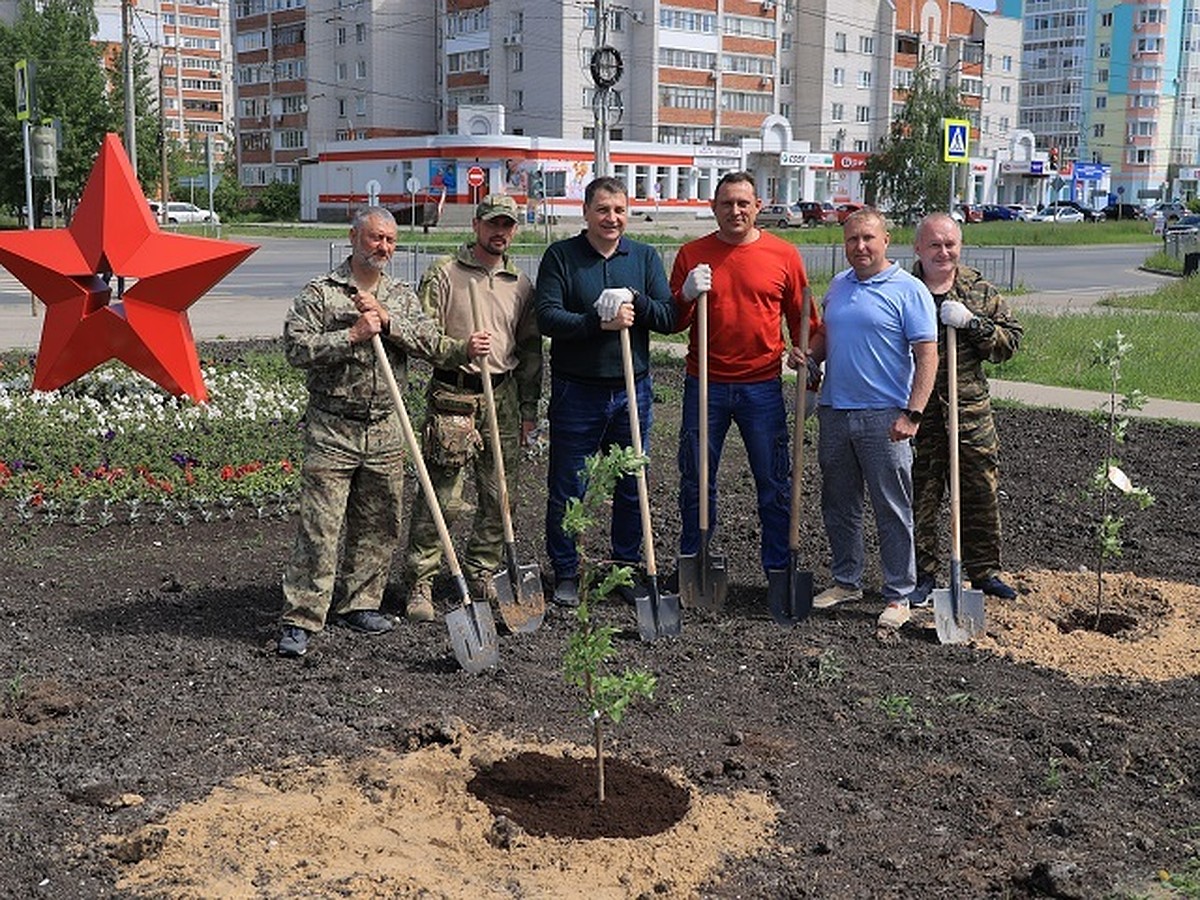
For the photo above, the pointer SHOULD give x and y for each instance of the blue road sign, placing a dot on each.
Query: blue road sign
(956, 140)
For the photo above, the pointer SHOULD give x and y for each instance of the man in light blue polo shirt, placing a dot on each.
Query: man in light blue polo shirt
(880, 350)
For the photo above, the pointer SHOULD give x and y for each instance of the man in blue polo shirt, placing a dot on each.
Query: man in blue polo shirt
(879, 344)
(589, 288)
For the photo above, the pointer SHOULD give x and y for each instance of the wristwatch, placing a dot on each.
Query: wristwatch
(975, 324)
(914, 416)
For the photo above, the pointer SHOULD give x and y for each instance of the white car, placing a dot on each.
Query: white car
(179, 213)
(1024, 212)
(1062, 214)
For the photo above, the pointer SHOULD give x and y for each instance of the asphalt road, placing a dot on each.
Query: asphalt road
(252, 300)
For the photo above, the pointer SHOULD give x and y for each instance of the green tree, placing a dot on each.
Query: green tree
(907, 174)
(280, 202)
(70, 85)
(146, 119)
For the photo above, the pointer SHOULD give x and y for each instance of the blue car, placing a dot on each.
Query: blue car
(994, 213)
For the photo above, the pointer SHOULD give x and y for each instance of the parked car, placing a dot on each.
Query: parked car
(1124, 211)
(780, 215)
(1058, 214)
(1170, 210)
(1088, 214)
(966, 213)
(179, 213)
(1189, 224)
(844, 210)
(1023, 210)
(817, 213)
(993, 212)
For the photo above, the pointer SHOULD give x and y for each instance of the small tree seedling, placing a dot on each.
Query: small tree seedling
(590, 647)
(1110, 353)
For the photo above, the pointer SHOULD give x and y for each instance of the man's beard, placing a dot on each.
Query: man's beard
(373, 261)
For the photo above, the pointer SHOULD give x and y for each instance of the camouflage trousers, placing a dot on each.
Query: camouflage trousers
(351, 484)
(979, 478)
(484, 550)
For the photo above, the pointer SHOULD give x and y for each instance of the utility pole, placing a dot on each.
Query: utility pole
(127, 62)
(164, 184)
(600, 97)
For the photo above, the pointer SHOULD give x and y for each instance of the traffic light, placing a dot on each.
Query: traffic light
(1054, 157)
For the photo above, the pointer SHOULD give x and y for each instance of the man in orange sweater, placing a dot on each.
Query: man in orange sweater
(754, 280)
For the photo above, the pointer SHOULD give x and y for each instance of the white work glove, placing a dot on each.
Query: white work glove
(610, 300)
(955, 314)
(698, 281)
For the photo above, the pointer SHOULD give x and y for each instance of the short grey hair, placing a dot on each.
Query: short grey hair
(932, 219)
(371, 212)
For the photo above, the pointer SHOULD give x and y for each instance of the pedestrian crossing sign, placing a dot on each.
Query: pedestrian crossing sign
(956, 138)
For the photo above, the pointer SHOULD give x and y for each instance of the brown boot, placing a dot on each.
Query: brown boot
(482, 587)
(420, 604)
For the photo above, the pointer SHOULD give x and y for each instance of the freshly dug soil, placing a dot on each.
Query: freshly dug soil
(154, 745)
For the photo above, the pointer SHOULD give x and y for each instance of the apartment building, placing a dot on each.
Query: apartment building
(1114, 87)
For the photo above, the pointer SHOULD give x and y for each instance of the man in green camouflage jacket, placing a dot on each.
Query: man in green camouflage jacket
(986, 331)
(455, 415)
(352, 477)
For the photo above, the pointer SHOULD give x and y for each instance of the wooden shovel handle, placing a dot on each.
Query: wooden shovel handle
(635, 432)
(414, 448)
(702, 401)
(798, 445)
(952, 441)
(489, 401)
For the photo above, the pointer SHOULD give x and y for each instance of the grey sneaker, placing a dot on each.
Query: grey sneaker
(367, 621)
(566, 592)
(832, 596)
(895, 615)
(293, 641)
(920, 597)
(420, 604)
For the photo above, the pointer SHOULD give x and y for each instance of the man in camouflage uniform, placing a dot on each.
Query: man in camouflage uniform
(986, 331)
(352, 476)
(456, 418)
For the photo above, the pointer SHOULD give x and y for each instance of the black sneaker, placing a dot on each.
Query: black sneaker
(368, 621)
(293, 641)
(994, 587)
(921, 597)
(566, 592)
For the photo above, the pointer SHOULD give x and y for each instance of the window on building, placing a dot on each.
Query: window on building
(837, 112)
(866, 44)
(341, 34)
(1102, 75)
(839, 76)
(785, 76)
(290, 139)
(360, 69)
(785, 110)
(864, 79)
(1106, 20)
(1102, 101)
(1004, 124)
(1006, 63)
(686, 20)
(518, 61)
(360, 32)
(340, 103)
(985, 124)
(902, 79)
(862, 114)
(339, 71)
(1104, 50)
(839, 41)
(862, 146)
(518, 99)
(1005, 94)
(785, 41)
(1098, 130)
(360, 105)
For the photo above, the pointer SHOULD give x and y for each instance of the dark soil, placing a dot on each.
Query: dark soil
(138, 672)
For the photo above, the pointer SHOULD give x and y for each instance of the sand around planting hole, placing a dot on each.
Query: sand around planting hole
(392, 825)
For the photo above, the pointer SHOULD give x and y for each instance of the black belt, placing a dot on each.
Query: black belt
(467, 381)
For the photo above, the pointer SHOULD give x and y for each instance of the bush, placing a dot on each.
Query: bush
(280, 202)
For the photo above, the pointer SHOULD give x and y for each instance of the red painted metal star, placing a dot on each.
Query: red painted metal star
(115, 286)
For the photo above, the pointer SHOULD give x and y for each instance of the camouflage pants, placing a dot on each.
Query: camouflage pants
(979, 477)
(484, 551)
(351, 484)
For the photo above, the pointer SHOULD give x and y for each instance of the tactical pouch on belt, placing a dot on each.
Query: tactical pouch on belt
(451, 438)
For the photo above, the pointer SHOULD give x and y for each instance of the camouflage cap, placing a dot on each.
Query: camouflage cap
(495, 205)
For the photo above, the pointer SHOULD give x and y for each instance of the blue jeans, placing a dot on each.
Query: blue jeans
(855, 449)
(587, 419)
(758, 410)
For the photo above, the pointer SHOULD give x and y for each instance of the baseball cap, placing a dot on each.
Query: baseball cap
(495, 205)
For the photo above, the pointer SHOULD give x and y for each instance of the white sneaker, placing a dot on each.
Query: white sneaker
(895, 615)
(832, 596)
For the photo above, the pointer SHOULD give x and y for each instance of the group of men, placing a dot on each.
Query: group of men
(877, 341)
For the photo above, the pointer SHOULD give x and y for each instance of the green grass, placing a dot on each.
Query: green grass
(1182, 296)
(1004, 234)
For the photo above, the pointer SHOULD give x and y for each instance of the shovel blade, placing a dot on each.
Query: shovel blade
(703, 582)
(789, 594)
(658, 615)
(473, 637)
(957, 618)
(522, 609)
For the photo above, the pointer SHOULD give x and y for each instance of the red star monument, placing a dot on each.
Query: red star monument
(77, 272)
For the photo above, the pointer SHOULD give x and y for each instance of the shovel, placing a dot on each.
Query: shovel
(518, 588)
(703, 578)
(790, 592)
(957, 613)
(657, 614)
(472, 628)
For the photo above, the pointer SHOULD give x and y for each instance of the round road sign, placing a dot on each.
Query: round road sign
(475, 176)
